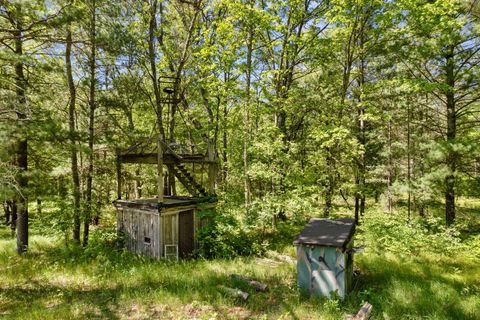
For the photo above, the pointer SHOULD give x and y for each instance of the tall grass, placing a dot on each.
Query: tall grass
(419, 270)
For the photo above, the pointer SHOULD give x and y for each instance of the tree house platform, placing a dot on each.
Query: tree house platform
(165, 226)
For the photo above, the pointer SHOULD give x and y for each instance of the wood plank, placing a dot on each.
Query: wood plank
(126, 221)
(139, 235)
(364, 313)
(155, 233)
(161, 233)
(267, 262)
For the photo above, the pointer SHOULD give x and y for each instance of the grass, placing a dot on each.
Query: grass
(405, 277)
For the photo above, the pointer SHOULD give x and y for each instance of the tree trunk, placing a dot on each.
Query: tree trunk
(357, 200)
(451, 159)
(21, 202)
(39, 206)
(330, 183)
(246, 121)
(91, 122)
(360, 179)
(13, 224)
(390, 170)
(73, 143)
(225, 144)
(176, 91)
(6, 208)
(409, 165)
(360, 194)
(152, 29)
(138, 183)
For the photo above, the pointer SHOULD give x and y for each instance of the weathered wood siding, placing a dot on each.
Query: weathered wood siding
(148, 232)
(141, 230)
(169, 229)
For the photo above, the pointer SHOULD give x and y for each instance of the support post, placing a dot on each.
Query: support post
(160, 186)
(211, 168)
(119, 176)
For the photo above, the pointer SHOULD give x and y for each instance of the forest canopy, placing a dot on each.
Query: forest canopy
(307, 104)
(212, 132)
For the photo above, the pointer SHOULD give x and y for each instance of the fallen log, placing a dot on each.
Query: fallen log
(253, 283)
(236, 293)
(364, 313)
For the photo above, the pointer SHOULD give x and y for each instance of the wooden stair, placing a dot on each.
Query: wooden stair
(184, 176)
(188, 181)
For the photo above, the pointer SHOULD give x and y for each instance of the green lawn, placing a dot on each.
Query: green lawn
(404, 272)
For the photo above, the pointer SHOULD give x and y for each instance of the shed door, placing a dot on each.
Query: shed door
(185, 233)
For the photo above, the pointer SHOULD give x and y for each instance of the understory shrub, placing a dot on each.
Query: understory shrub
(222, 236)
(393, 233)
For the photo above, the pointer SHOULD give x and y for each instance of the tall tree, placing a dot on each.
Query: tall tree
(446, 66)
(91, 117)
(73, 133)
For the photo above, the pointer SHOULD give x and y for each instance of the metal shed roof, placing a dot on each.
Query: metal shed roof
(327, 232)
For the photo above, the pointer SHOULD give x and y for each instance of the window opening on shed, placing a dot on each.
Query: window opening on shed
(146, 240)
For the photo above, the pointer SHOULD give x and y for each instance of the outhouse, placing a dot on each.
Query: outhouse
(325, 257)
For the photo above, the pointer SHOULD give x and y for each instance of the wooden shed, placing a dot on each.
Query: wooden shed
(161, 230)
(325, 257)
(165, 226)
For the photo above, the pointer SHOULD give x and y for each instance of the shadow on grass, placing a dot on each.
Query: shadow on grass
(25, 300)
(417, 289)
(119, 279)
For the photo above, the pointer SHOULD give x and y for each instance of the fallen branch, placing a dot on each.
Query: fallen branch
(236, 293)
(364, 313)
(253, 283)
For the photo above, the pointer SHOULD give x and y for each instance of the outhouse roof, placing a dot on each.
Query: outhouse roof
(327, 232)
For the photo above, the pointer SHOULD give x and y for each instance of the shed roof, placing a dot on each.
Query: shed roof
(327, 232)
(169, 202)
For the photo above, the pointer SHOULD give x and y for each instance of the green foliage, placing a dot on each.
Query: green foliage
(392, 233)
(223, 236)
(55, 218)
